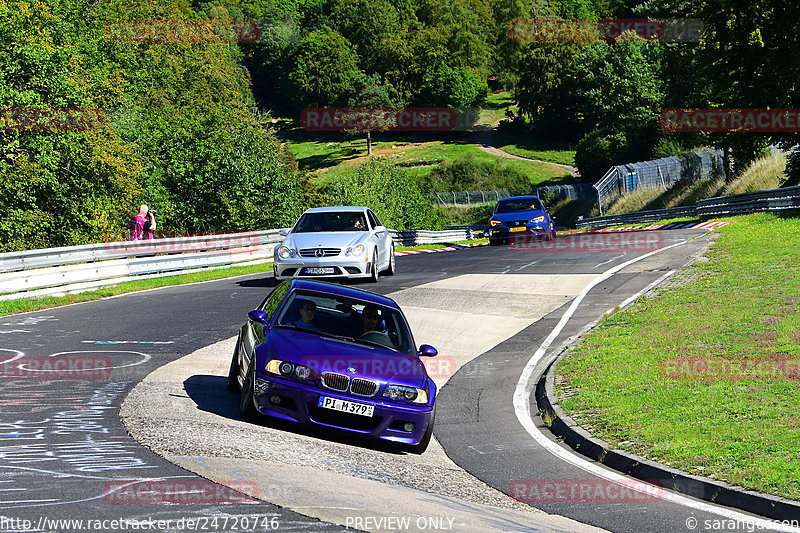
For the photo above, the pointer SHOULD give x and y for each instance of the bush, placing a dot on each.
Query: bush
(390, 192)
(597, 152)
(470, 173)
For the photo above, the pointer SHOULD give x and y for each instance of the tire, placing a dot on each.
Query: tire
(373, 275)
(420, 448)
(392, 268)
(247, 406)
(494, 242)
(233, 373)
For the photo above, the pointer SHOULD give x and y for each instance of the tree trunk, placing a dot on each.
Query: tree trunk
(729, 166)
(369, 142)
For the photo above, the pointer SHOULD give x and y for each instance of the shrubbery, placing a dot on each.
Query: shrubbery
(394, 196)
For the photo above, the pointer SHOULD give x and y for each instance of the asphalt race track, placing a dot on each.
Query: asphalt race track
(63, 446)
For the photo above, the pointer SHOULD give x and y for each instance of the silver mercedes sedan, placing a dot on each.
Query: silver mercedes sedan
(329, 242)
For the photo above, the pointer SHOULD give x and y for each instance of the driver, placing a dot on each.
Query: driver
(370, 317)
(307, 312)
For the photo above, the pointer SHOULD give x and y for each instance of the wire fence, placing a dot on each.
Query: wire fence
(470, 198)
(621, 179)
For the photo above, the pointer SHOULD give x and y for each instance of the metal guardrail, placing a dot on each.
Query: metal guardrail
(737, 204)
(640, 216)
(754, 202)
(470, 198)
(78, 268)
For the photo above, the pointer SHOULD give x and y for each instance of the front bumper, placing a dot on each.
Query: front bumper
(343, 267)
(299, 403)
(504, 232)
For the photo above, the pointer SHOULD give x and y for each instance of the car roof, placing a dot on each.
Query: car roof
(519, 198)
(340, 290)
(336, 209)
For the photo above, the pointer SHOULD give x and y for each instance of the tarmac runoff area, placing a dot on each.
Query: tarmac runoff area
(183, 412)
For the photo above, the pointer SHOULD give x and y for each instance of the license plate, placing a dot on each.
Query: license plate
(345, 406)
(520, 228)
(319, 270)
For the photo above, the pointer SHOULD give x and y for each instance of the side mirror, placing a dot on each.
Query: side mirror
(380, 228)
(283, 232)
(258, 316)
(426, 350)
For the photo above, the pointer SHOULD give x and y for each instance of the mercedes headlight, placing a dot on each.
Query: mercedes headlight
(355, 251)
(286, 253)
(537, 219)
(494, 223)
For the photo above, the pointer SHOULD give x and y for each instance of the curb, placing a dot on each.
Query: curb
(649, 227)
(453, 248)
(632, 465)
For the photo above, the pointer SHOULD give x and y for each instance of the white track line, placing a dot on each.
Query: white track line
(522, 409)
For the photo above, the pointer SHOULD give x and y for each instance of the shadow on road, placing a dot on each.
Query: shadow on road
(211, 394)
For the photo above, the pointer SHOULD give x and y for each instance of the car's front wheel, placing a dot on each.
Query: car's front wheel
(373, 274)
(247, 406)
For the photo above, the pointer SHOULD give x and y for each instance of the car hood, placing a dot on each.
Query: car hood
(325, 239)
(327, 354)
(519, 215)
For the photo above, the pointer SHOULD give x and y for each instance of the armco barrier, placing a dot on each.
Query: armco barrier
(79, 268)
(640, 216)
(737, 204)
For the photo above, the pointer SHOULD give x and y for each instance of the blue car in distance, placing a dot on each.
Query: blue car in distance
(322, 354)
(520, 216)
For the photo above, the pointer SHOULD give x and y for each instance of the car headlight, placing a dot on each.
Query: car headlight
(537, 219)
(409, 394)
(355, 251)
(494, 223)
(285, 252)
(285, 368)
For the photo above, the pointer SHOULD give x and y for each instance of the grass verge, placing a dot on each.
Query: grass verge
(702, 376)
(24, 305)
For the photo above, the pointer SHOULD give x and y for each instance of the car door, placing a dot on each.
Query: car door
(382, 237)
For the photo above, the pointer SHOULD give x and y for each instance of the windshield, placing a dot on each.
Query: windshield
(331, 221)
(348, 318)
(513, 206)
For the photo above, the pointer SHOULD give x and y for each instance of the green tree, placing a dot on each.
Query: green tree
(372, 97)
(324, 66)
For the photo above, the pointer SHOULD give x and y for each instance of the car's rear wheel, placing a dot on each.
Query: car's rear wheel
(373, 275)
(247, 407)
(426, 438)
(391, 270)
(233, 373)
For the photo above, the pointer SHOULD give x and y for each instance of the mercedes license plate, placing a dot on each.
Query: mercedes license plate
(518, 228)
(345, 406)
(319, 270)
